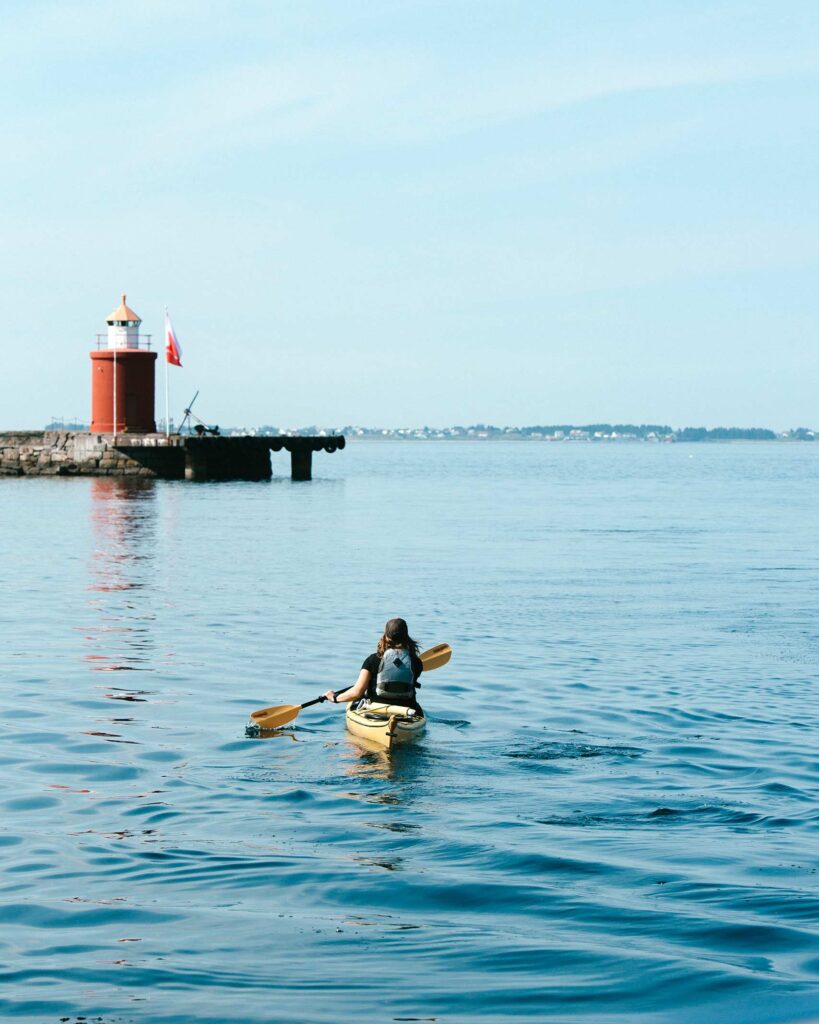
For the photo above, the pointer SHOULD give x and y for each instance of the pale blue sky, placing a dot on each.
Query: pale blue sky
(395, 213)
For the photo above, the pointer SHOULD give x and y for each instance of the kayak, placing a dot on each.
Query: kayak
(385, 723)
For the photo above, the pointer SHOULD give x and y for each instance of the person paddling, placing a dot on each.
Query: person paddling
(390, 675)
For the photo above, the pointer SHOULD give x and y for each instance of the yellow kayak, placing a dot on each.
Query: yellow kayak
(385, 724)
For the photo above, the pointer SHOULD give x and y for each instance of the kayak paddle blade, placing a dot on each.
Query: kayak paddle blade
(276, 717)
(436, 656)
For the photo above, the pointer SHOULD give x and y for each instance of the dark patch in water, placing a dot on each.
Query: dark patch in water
(571, 751)
(395, 826)
(703, 814)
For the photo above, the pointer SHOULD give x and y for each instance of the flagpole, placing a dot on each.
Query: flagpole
(114, 424)
(167, 392)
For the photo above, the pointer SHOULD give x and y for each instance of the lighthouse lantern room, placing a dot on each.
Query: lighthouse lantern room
(123, 377)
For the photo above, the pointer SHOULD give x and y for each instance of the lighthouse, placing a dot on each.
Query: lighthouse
(123, 370)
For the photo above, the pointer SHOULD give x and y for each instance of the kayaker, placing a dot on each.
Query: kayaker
(390, 675)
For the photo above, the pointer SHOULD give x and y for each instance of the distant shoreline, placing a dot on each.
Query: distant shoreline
(596, 433)
(352, 438)
(607, 433)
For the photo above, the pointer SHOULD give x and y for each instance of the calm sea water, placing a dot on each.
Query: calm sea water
(613, 815)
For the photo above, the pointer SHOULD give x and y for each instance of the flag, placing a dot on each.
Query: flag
(173, 351)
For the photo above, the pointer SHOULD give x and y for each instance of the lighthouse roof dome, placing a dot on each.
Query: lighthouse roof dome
(123, 313)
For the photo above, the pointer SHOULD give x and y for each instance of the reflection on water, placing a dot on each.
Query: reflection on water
(254, 732)
(367, 759)
(406, 768)
(123, 516)
(123, 520)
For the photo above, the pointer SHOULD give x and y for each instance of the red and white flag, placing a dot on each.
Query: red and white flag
(173, 350)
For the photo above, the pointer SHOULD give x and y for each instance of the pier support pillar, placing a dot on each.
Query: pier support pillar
(301, 463)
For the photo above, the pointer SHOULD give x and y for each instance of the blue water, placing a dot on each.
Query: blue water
(613, 815)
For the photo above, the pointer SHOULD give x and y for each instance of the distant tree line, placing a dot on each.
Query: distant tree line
(725, 434)
(74, 425)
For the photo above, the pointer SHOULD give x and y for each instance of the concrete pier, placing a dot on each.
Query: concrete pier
(178, 457)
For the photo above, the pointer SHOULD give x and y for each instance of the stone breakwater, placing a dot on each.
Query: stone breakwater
(63, 453)
(178, 457)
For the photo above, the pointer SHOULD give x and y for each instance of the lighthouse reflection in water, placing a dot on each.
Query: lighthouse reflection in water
(120, 635)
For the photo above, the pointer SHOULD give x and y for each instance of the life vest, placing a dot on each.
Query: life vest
(395, 679)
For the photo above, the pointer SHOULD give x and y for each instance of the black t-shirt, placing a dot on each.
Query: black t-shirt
(371, 664)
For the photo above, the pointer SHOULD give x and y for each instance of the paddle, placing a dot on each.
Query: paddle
(276, 717)
(281, 714)
(435, 657)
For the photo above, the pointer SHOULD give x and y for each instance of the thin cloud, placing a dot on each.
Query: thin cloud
(402, 98)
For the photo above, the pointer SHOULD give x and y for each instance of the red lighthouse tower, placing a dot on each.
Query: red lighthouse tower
(122, 377)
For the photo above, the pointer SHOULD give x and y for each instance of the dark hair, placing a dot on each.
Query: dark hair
(396, 634)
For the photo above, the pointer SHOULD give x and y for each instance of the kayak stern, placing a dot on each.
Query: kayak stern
(385, 724)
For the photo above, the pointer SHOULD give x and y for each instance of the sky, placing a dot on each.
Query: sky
(406, 213)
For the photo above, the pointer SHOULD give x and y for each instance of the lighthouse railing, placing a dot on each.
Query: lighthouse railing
(142, 342)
